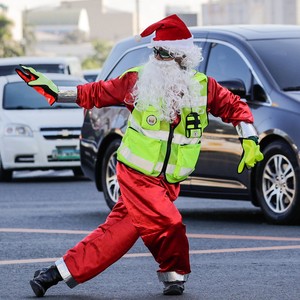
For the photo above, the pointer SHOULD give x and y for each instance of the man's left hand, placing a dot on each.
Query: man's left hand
(251, 153)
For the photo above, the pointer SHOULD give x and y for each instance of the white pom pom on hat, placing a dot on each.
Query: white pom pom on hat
(138, 37)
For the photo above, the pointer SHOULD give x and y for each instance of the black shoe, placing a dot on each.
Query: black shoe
(173, 288)
(37, 272)
(43, 279)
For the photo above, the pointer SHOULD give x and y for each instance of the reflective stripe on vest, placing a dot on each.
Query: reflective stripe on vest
(147, 142)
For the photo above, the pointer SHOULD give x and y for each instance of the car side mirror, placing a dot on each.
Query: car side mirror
(235, 86)
(259, 94)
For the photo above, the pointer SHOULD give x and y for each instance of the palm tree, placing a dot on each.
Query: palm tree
(8, 47)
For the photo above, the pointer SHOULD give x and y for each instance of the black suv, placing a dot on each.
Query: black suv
(259, 63)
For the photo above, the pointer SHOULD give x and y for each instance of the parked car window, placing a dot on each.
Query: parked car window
(17, 95)
(43, 68)
(91, 74)
(131, 59)
(62, 65)
(224, 63)
(281, 57)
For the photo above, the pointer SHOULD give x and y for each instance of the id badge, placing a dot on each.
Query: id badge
(193, 128)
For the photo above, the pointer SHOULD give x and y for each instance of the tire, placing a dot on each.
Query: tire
(77, 172)
(5, 175)
(278, 184)
(109, 181)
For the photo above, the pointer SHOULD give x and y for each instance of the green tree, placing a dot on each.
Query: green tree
(29, 38)
(8, 47)
(101, 51)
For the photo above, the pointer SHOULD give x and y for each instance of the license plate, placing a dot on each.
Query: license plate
(65, 153)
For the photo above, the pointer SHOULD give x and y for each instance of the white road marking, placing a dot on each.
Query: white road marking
(133, 255)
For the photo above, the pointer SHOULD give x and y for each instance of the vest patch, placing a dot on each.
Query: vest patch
(151, 120)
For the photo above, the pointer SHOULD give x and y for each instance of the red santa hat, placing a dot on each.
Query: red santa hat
(170, 32)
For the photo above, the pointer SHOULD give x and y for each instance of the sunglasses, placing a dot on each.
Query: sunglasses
(163, 54)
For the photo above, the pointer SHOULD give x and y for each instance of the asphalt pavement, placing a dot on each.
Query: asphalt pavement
(235, 254)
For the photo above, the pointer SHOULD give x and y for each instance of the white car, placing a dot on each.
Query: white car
(63, 65)
(34, 135)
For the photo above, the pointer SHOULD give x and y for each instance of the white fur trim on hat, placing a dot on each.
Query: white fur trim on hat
(186, 43)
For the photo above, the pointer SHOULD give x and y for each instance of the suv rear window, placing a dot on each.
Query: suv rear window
(18, 95)
(281, 57)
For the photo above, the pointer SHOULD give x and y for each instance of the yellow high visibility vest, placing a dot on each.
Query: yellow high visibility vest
(155, 147)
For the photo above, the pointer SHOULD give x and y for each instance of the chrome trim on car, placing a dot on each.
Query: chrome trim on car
(220, 183)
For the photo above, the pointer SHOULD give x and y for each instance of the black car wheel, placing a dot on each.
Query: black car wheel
(278, 183)
(109, 180)
(5, 175)
(77, 172)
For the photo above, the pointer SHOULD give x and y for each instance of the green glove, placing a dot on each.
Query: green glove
(251, 154)
(39, 82)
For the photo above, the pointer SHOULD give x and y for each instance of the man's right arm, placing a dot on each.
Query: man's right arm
(99, 94)
(105, 93)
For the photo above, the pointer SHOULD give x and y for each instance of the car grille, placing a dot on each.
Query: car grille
(24, 159)
(64, 133)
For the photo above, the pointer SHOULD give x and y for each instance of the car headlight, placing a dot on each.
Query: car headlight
(18, 130)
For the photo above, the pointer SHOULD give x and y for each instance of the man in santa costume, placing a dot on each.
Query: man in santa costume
(169, 102)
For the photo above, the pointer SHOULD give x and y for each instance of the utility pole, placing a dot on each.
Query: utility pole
(137, 16)
(24, 31)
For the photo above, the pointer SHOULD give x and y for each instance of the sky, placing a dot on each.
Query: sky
(150, 11)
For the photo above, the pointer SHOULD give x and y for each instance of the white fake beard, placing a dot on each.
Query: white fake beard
(166, 87)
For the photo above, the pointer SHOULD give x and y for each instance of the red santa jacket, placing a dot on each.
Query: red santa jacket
(220, 102)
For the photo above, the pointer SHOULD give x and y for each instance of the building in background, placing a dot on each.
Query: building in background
(69, 29)
(190, 18)
(58, 25)
(60, 30)
(225, 12)
(104, 24)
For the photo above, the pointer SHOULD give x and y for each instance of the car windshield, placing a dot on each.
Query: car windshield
(18, 95)
(281, 57)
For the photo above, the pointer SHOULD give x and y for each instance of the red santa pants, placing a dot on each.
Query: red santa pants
(145, 209)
